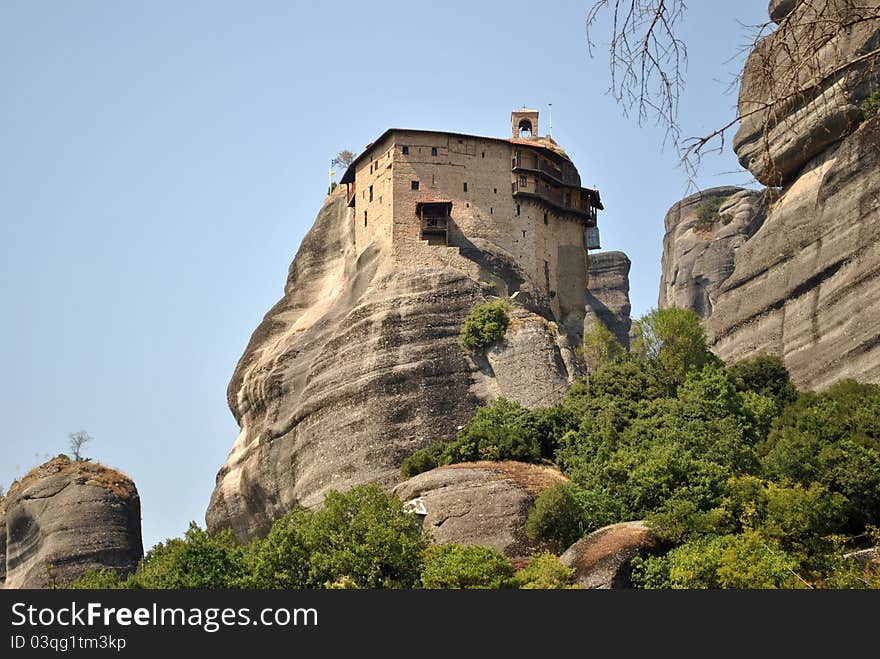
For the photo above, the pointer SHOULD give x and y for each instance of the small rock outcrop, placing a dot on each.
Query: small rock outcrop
(360, 364)
(65, 518)
(608, 294)
(479, 503)
(602, 559)
(703, 233)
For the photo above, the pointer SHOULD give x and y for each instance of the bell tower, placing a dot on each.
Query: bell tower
(524, 123)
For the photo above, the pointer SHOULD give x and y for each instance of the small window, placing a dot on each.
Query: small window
(365, 218)
(545, 219)
(524, 234)
(371, 168)
(433, 150)
(484, 154)
(371, 193)
(414, 185)
(491, 211)
(523, 181)
(380, 200)
(517, 209)
(405, 150)
(465, 186)
(496, 190)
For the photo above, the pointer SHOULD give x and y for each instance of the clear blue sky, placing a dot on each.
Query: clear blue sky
(161, 161)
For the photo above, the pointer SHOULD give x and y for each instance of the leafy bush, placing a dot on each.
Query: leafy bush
(544, 572)
(871, 106)
(462, 566)
(557, 518)
(485, 325)
(105, 579)
(422, 460)
(361, 538)
(765, 375)
(198, 561)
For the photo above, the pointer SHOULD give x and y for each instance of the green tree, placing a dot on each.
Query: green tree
(599, 346)
(673, 339)
(502, 430)
(465, 566)
(765, 375)
(557, 518)
(485, 325)
(199, 560)
(362, 537)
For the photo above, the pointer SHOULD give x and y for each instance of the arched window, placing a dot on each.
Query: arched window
(525, 128)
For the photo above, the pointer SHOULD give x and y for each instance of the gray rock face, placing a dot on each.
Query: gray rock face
(804, 285)
(803, 84)
(66, 518)
(480, 503)
(608, 294)
(532, 365)
(602, 559)
(358, 366)
(698, 255)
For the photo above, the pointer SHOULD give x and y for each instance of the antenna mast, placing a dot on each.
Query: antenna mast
(550, 126)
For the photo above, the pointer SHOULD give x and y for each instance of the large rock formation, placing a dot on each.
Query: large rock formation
(359, 365)
(803, 285)
(602, 559)
(608, 294)
(479, 503)
(703, 233)
(66, 518)
(802, 85)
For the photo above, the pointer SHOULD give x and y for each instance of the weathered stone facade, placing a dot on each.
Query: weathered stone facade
(523, 196)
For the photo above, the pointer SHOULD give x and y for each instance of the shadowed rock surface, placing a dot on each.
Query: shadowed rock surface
(608, 294)
(779, 9)
(698, 255)
(66, 518)
(602, 559)
(480, 503)
(802, 85)
(359, 365)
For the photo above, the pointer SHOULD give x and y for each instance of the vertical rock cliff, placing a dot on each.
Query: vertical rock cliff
(66, 518)
(803, 278)
(359, 364)
(703, 233)
(608, 294)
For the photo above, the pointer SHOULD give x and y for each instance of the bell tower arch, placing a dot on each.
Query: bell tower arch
(524, 123)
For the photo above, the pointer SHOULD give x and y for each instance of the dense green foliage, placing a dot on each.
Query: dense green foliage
(502, 430)
(545, 572)
(485, 325)
(461, 566)
(599, 347)
(748, 482)
(362, 536)
(557, 518)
